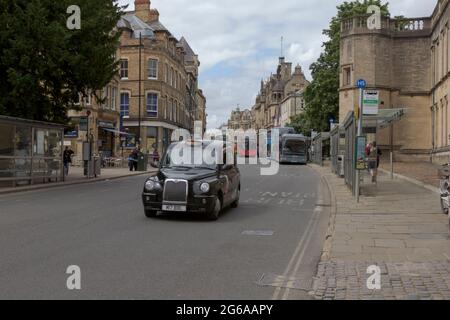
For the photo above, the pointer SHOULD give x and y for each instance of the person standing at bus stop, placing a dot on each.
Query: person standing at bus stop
(374, 154)
(67, 160)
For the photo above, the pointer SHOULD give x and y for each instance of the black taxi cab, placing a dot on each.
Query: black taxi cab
(187, 186)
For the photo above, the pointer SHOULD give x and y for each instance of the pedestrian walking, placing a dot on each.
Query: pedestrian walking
(374, 154)
(67, 160)
(133, 160)
(155, 157)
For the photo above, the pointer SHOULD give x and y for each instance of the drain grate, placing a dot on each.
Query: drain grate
(260, 233)
(273, 280)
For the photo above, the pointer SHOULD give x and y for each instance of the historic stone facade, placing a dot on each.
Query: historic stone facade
(169, 94)
(240, 120)
(407, 60)
(276, 91)
(291, 106)
(100, 120)
(165, 95)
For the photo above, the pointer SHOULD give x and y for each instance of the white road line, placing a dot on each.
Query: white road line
(311, 232)
(294, 256)
(300, 250)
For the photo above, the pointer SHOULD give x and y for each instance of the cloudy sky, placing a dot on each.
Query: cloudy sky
(239, 41)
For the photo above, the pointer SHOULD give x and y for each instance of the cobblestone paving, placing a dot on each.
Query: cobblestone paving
(399, 281)
(397, 226)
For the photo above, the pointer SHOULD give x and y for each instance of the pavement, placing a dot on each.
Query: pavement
(421, 172)
(76, 176)
(397, 226)
(267, 248)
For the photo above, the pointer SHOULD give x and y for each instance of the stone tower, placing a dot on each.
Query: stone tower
(395, 61)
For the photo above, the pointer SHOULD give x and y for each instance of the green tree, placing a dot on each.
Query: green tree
(322, 95)
(44, 66)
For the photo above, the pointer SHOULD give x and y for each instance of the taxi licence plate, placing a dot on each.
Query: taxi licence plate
(174, 208)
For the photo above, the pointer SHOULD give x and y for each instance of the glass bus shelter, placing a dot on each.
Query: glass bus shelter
(30, 152)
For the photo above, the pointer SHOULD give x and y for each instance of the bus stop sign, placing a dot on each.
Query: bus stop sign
(361, 84)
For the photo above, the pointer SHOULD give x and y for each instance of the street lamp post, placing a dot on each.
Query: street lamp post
(139, 90)
(362, 86)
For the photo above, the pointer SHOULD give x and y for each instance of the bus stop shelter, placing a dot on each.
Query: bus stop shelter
(384, 119)
(337, 150)
(371, 124)
(320, 147)
(31, 152)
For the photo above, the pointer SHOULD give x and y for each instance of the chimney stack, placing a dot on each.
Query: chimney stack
(142, 9)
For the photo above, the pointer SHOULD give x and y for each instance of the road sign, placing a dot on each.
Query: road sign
(371, 102)
(83, 125)
(361, 84)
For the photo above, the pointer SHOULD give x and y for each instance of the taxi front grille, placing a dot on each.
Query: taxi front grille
(175, 191)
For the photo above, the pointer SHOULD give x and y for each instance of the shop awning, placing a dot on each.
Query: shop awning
(384, 118)
(118, 132)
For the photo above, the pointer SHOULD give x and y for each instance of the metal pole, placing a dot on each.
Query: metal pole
(88, 139)
(392, 165)
(360, 131)
(139, 91)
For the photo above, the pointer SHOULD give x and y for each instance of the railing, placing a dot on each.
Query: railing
(401, 25)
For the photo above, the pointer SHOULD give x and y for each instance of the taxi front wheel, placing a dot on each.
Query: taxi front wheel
(151, 213)
(214, 214)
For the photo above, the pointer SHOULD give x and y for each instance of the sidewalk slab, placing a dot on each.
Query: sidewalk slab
(397, 225)
(421, 173)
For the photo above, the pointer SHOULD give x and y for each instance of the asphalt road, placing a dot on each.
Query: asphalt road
(277, 231)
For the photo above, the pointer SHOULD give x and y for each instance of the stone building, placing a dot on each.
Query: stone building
(200, 111)
(165, 95)
(407, 61)
(275, 91)
(292, 105)
(195, 100)
(169, 79)
(240, 120)
(101, 120)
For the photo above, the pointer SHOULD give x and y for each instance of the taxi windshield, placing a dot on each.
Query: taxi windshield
(190, 156)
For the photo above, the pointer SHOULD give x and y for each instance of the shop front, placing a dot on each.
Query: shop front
(154, 136)
(106, 140)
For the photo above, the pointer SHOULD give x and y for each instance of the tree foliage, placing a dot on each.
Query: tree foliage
(322, 95)
(44, 66)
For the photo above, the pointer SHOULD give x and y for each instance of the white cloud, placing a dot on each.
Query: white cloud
(238, 41)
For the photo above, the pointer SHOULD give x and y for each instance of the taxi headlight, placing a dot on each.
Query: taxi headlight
(204, 187)
(151, 185)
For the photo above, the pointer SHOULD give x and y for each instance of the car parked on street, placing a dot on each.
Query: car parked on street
(187, 187)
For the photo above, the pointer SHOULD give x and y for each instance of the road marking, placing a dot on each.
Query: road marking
(273, 195)
(261, 233)
(293, 258)
(311, 232)
(300, 251)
